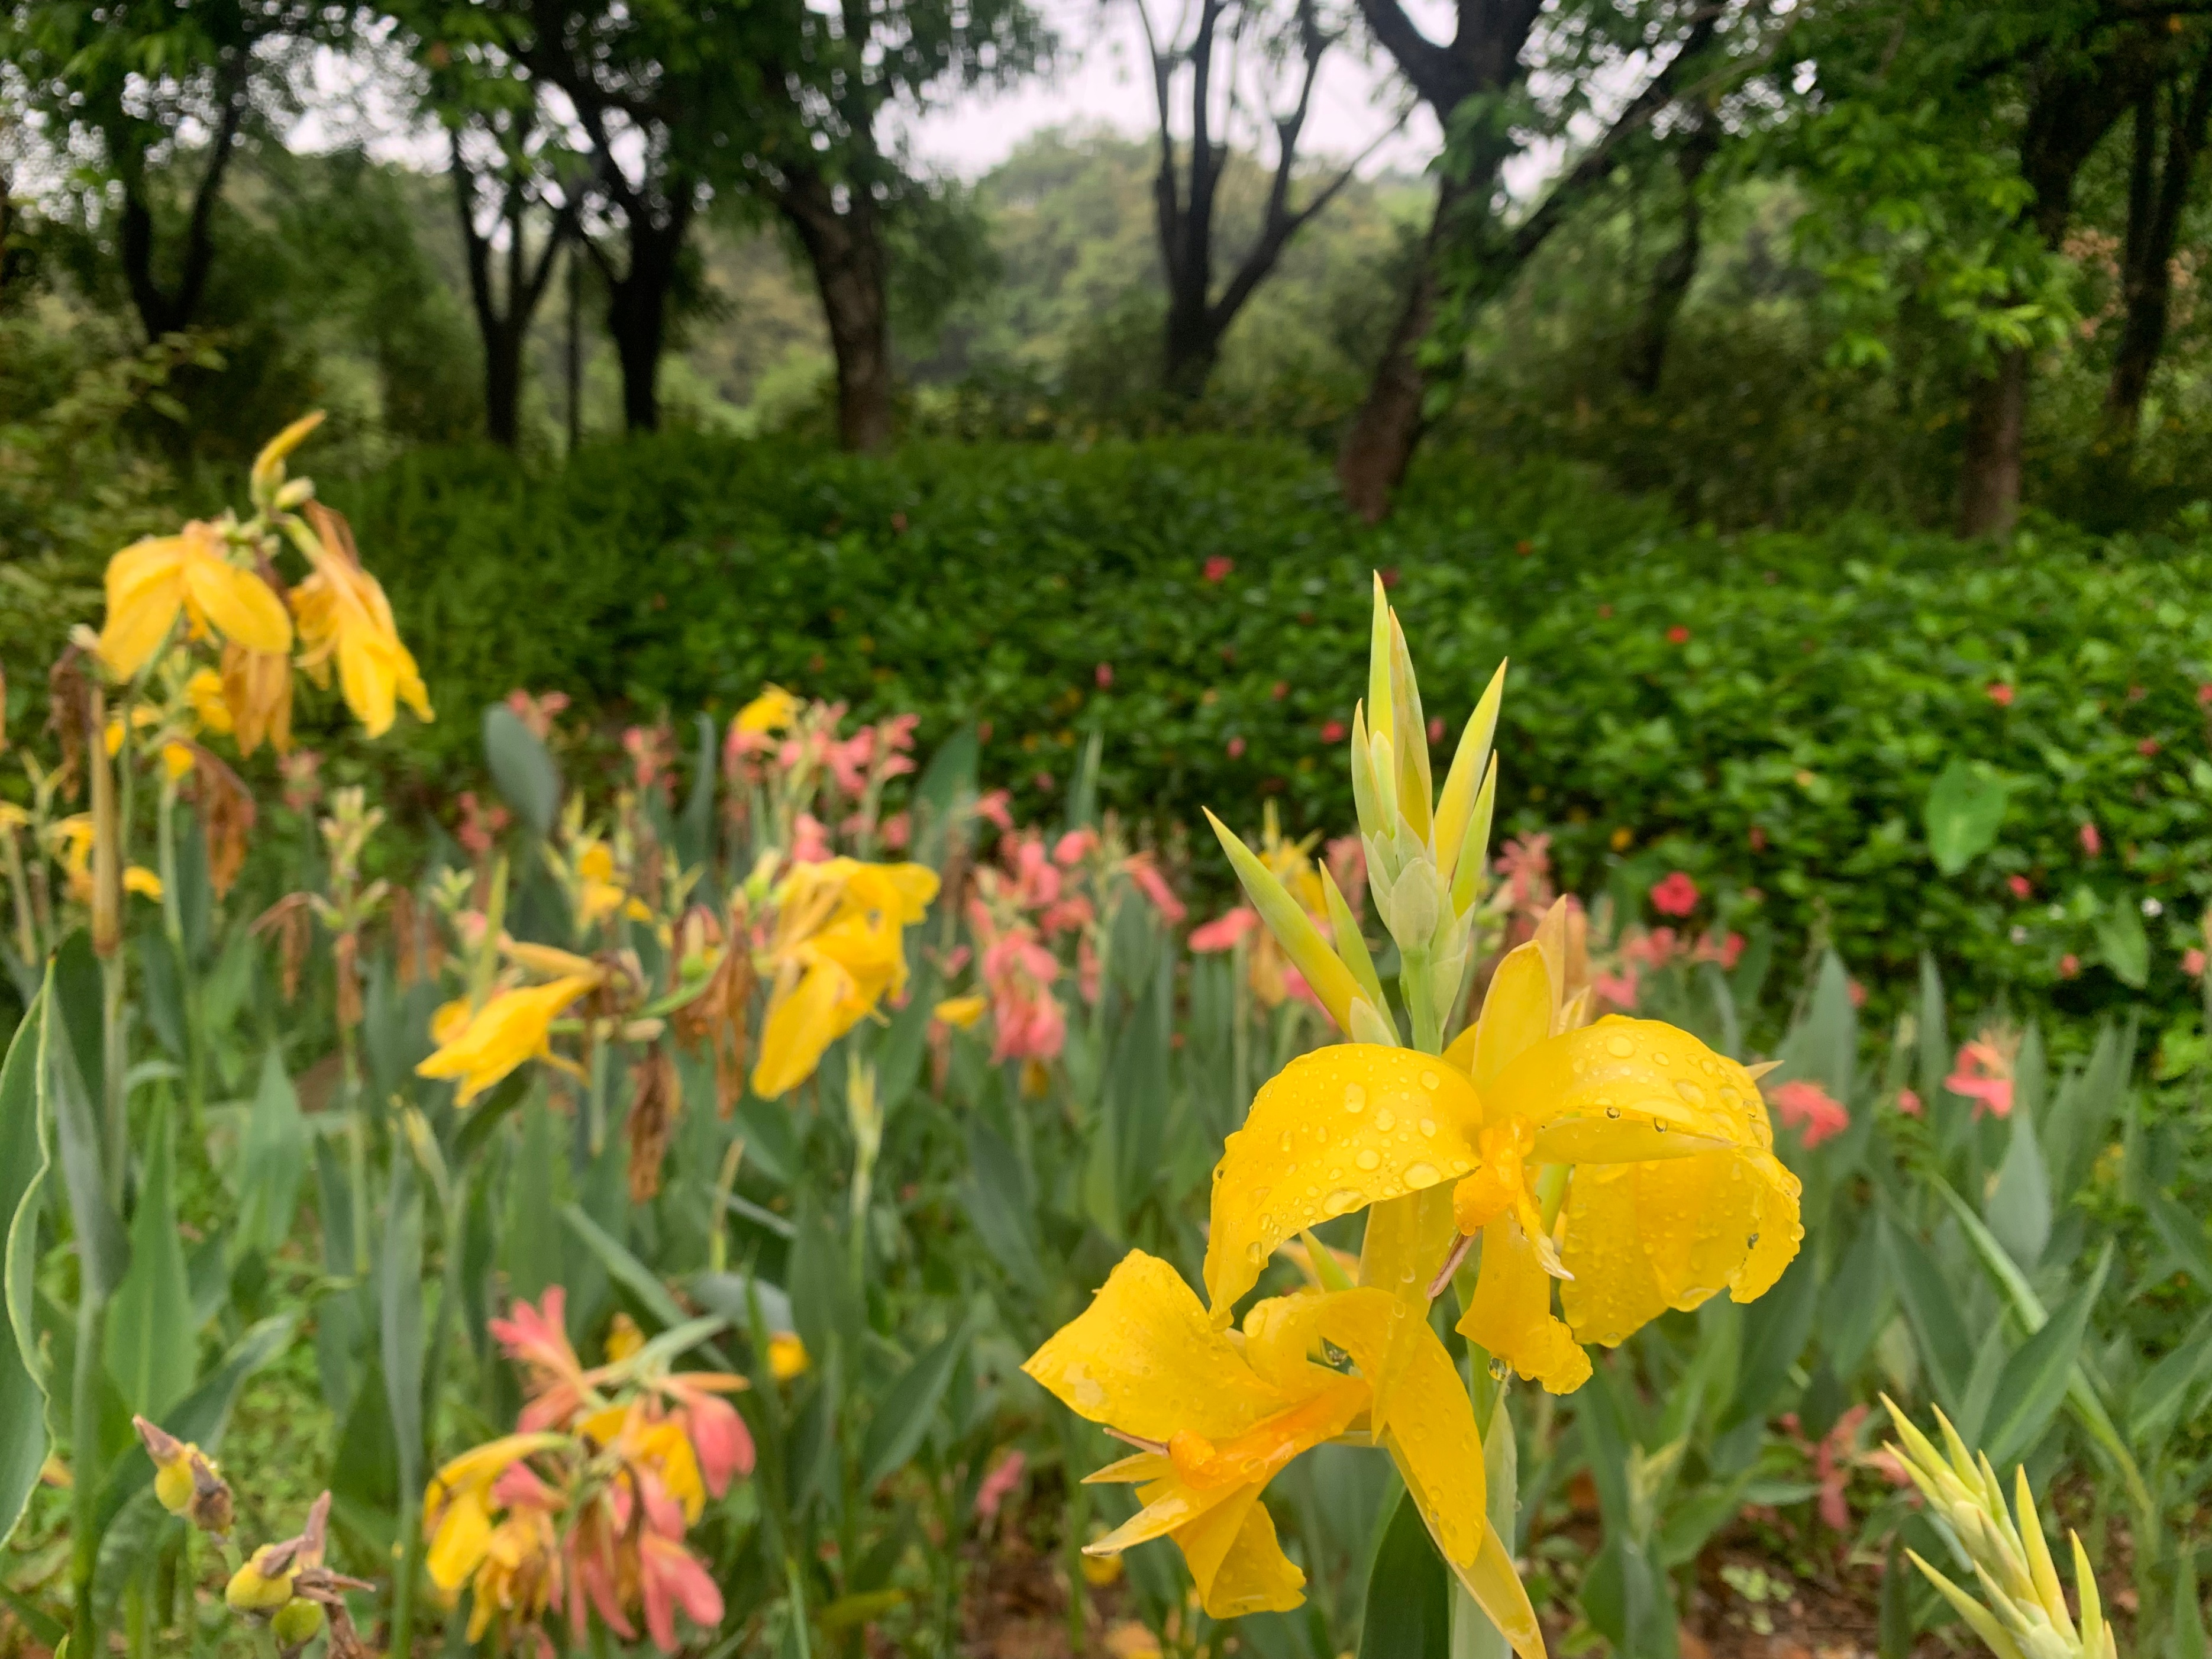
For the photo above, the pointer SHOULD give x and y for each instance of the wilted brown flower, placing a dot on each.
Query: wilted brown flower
(289, 919)
(257, 689)
(656, 1102)
(227, 815)
(716, 1017)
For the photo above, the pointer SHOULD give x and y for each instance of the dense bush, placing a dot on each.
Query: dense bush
(1767, 711)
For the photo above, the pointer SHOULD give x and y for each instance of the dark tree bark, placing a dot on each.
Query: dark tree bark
(2158, 191)
(850, 273)
(167, 311)
(1484, 57)
(1675, 269)
(2070, 109)
(1198, 319)
(504, 323)
(638, 294)
(14, 257)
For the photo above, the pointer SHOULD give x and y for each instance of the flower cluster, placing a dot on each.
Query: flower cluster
(1623, 1161)
(585, 1508)
(802, 778)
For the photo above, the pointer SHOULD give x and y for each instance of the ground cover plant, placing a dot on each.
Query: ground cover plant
(734, 1192)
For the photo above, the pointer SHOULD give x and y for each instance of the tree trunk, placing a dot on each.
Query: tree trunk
(161, 313)
(1989, 471)
(1674, 271)
(1194, 346)
(637, 304)
(502, 349)
(846, 251)
(2156, 199)
(1378, 446)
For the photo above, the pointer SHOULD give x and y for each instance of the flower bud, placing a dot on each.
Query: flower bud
(296, 1623)
(296, 493)
(264, 1583)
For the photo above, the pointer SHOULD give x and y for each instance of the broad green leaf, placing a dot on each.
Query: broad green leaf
(272, 1159)
(527, 779)
(2122, 944)
(1776, 1329)
(731, 1295)
(1964, 811)
(943, 796)
(624, 1269)
(532, 1249)
(1408, 1599)
(2186, 1640)
(695, 828)
(2019, 1207)
(2161, 1395)
(1931, 1310)
(998, 1202)
(2034, 1381)
(73, 994)
(1855, 1303)
(23, 1437)
(151, 1351)
(399, 1321)
(904, 1417)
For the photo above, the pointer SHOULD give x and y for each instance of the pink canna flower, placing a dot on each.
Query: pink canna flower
(2092, 843)
(994, 807)
(2192, 962)
(1616, 990)
(1027, 1019)
(1675, 896)
(1346, 857)
(897, 832)
(1526, 864)
(720, 1439)
(1223, 931)
(809, 841)
(1087, 970)
(669, 1576)
(1145, 873)
(1982, 1072)
(1000, 1484)
(1832, 1466)
(537, 1339)
(1804, 1106)
(1909, 1102)
(1074, 846)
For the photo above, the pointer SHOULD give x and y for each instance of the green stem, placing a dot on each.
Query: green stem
(84, 1458)
(1414, 973)
(795, 1583)
(115, 1059)
(172, 925)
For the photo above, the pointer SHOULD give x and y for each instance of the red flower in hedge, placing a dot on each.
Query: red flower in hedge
(2091, 842)
(1678, 634)
(1331, 731)
(1218, 567)
(1675, 896)
(2021, 886)
(1103, 674)
(2001, 694)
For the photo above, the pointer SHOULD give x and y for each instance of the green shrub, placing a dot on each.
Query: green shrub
(1767, 711)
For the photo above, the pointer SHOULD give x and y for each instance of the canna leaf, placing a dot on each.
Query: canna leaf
(1351, 943)
(23, 1439)
(1470, 868)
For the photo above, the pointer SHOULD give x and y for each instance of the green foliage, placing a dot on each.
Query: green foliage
(1768, 712)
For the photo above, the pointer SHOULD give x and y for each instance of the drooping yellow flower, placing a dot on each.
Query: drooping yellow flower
(256, 693)
(1216, 1419)
(838, 951)
(514, 1026)
(457, 1508)
(204, 693)
(149, 581)
(342, 614)
(73, 834)
(961, 1013)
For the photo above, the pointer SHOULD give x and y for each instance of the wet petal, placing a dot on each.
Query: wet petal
(1143, 1358)
(1407, 1242)
(1425, 1416)
(1236, 1562)
(1510, 1313)
(1338, 1129)
(145, 586)
(1498, 1590)
(1642, 1238)
(1626, 1090)
(801, 1025)
(1516, 1014)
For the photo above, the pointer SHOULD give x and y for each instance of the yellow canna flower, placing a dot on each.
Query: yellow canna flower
(149, 581)
(1216, 1417)
(786, 1355)
(268, 470)
(74, 835)
(624, 1338)
(513, 1027)
(257, 696)
(1672, 1192)
(203, 692)
(774, 710)
(961, 1013)
(457, 1508)
(838, 951)
(342, 614)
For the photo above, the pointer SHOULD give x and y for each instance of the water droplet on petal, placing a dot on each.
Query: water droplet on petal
(1459, 1166)
(1256, 1252)
(1386, 1120)
(1613, 1112)
(1341, 1199)
(1422, 1174)
(1499, 1370)
(1431, 1080)
(1428, 1126)
(1689, 1091)
(1621, 1048)
(1369, 1159)
(1661, 1057)
(1355, 1097)
(1285, 1143)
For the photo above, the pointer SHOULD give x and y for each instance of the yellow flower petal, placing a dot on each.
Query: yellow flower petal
(463, 1534)
(960, 1012)
(1510, 1313)
(1145, 1358)
(137, 879)
(1644, 1238)
(772, 711)
(801, 1026)
(786, 1355)
(238, 602)
(1497, 1588)
(145, 586)
(1423, 1415)
(512, 1028)
(1407, 1240)
(1337, 1129)
(1236, 1561)
(1625, 1091)
(1516, 1014)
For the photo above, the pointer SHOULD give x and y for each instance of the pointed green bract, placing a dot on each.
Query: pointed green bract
(1409, 735)
(1351, 944)
(1378, 666)
(1473, 864)
(1470, 763)
(1309, 953)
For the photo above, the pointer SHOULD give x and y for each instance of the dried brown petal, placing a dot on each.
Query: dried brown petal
(656, 1102)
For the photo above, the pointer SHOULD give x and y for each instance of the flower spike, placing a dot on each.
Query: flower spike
(1332, 982)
